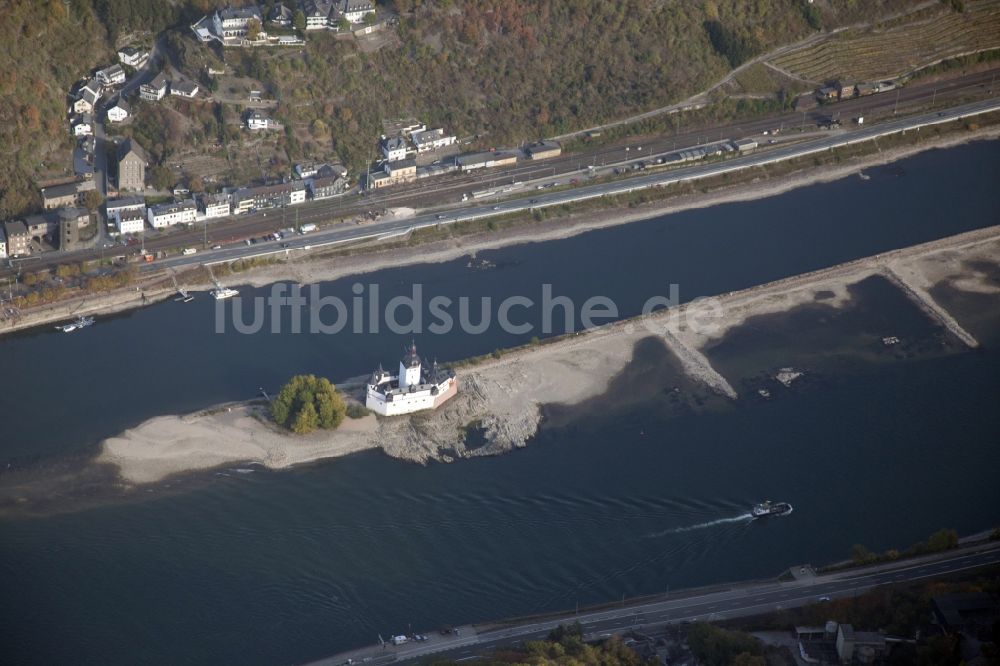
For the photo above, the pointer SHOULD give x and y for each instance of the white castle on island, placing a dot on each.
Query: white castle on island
(412, 390)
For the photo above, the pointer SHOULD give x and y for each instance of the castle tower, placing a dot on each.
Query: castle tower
(409, 368)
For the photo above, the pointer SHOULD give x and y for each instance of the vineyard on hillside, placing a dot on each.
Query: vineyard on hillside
(889, 50)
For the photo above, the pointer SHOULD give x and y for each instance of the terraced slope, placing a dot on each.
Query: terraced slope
(889, 50)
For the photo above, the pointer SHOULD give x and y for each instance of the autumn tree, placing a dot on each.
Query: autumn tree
(253, 29)
(92, 199)
(308, 402)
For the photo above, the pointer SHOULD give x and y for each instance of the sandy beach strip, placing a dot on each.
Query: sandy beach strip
(504, 396)
(228, 434)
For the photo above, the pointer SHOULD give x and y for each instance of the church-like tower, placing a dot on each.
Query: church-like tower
(409, 368)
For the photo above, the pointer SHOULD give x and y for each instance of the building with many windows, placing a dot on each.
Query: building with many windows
(431, 140)
(355, 11)
(169, 214)
(214, 205)
(18, 238)
(234, 21)
(154, 90)
(111, 76)
(132, 163)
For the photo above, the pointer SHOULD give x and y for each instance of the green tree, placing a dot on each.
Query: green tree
(942, 540)
(306, 420)
(718, 647)
(308, 402)
(299, 20)
(161, 177)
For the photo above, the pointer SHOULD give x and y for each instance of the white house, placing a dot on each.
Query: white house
(83, 125)
(233, 21)
(305, 170)
(3, 244)
(394, 148)
(130, 221)
(297, 194)
(133, 57)
(155, 89)
(214, 205)
(412, 390)
(183, 88)
(431, 140)
(169, 214)
(119, 112)
(318, 14)
(111, 76)
(355, 10)
(257, 120)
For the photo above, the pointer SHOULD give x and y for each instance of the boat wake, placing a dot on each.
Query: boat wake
(745, 517)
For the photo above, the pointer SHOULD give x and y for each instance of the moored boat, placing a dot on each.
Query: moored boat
(223, 292)
(81, 322)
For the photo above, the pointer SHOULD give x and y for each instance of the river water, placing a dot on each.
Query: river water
(644, 491)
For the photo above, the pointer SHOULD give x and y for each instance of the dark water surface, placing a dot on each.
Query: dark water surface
(871, 447)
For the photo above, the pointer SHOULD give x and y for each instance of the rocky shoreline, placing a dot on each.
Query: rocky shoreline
(504, 397)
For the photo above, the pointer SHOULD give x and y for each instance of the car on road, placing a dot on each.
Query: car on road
(216, 247)
(285, 245)
(824, 598)
(533, 201)
(496, 207)
(440, 217)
